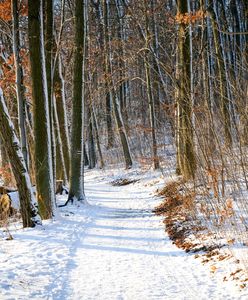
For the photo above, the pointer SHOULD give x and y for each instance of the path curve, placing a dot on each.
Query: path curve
(114, 248)
(125, 254)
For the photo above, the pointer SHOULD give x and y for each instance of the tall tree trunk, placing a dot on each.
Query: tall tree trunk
(151, 115)
(122, 132)
(86, 159)
(91, 142)
(155, 73)
(60, 163)
(115, 100)
(101, 8)
(109, 95)
(28, 203)
(123, 88)
(76, 191)
(97, 138)
(60, 104)
(43, 155)
(48, 23)
(150, 97)
(185, 155)
(222, 79)
(20, 90)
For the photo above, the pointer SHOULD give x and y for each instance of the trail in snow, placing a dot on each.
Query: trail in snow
(115, 248)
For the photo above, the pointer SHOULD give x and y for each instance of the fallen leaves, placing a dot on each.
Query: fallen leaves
(213, 269)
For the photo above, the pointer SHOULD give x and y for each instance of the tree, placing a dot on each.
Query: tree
(103, 19)
(42, 129)
(60, 107)
(76, 191)
(20, 90)
(28, 203)
(224, 101)
(150, 96)
(185, 148)
(91, 142)
(48, 45)
(115, 99)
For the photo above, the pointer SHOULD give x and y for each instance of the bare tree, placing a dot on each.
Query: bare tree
(76, 191)
(28, 203)
(43, 155)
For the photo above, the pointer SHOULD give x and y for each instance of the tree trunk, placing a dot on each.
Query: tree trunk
(122, 132)
(86, 159)
(76, 191)
(115, 100)
(123, 89)
(28, 203)
(222, 79)
(185, 155)
(59, 93)
(48, 29)
(60, 163)
(107, 72)
(102, 16)
(151, 115)
(97, 138)
(20, 90)
(151, 101)
(91, 142)
(43, 155)
(155, 73)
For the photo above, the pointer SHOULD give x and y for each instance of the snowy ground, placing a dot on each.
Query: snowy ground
(113, 248)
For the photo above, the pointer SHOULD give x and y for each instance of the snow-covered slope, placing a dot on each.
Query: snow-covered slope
(113, 248)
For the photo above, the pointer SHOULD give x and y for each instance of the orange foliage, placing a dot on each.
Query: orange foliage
(5, 10)
(190, 18)
(6, 175)
(8, 78)
(227, 211)
(24, 8)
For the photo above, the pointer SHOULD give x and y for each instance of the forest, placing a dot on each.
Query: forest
(106, 103)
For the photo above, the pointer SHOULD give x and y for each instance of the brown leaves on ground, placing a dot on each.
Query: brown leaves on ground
(177, 208)
(185, 229)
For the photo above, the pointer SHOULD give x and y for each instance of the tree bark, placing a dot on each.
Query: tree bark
(97, 139)
(76, 191)
(20, 90)
(222, 79)
(60, 163)
(48, 30)
(107, 70)
(115, 100)
(28, 203)
(60, 106)
(151, 102)
(91, 142)
(43, 155)
(186, 156)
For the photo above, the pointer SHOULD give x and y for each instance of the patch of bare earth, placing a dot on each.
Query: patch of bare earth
(123, 181)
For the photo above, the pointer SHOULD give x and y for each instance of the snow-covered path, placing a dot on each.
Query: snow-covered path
(115, 248)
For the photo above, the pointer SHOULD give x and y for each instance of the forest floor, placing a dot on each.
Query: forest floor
(114, 247)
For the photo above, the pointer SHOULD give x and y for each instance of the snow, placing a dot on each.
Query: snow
(112, 248)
